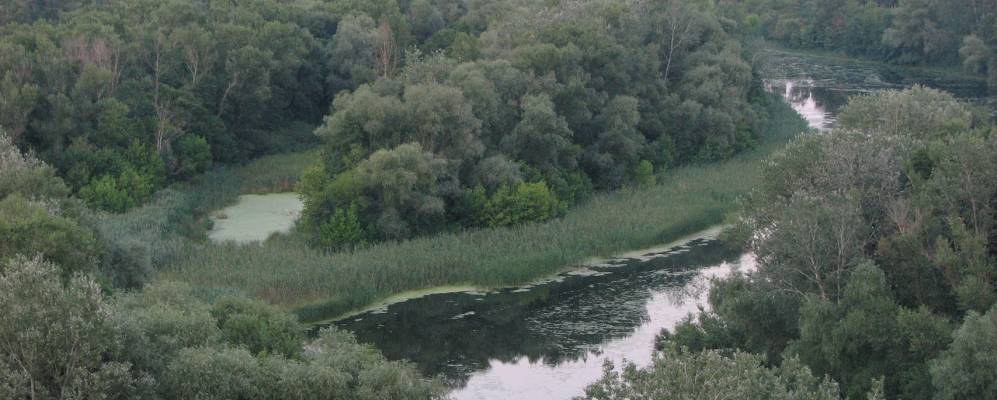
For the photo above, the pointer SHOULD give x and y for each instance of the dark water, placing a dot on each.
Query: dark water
(548, 341)
(817, 88)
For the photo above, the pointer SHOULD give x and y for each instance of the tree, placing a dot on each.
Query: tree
(352, 55)
(865, 335)
(17, 100)
(409, 186)
(259, 327)
(424, 19)
(916, 34)
(54, 338)
(616, 151)
(677, 374)
(966, 369)
(31, 228)
(919, 113)
(542, 138)
(680, 28)
(26, 175)
(526, 202)
(443, 122)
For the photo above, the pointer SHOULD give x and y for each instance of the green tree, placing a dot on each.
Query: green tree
(259, 327)
(409, 187)
(709, 374)
(966, 369)
(56, 338)
(34, 228)
(192, 155)
(542, 138)
(919, 112)
(916, 33)
(526, 202)
(343, 229)
(865, 335)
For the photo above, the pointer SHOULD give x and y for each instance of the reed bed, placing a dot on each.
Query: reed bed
(318, 285)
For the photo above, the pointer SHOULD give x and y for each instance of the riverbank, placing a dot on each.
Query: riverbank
(832, 57)
(317, 285)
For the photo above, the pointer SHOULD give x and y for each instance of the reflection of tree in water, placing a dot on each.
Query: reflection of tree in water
(839, 79)
(459, 333)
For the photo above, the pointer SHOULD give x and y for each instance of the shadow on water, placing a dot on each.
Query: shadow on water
(468, 336)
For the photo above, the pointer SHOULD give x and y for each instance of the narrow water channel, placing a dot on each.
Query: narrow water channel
(550, 340)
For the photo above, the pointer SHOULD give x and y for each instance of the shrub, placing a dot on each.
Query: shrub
(192, 156)
(526, 202)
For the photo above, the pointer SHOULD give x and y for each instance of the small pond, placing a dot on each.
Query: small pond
(255, 217)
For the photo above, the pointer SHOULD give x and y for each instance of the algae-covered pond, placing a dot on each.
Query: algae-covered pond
(255, 217)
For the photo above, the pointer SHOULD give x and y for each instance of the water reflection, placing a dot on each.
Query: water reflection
(817, 88)
(817, 105)
(549, 340)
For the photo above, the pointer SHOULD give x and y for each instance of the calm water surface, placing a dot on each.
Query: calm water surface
(817, 87)
(549, 341)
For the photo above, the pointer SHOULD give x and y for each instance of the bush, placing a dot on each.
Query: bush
(527, 202)
(118, 194)
(30, 229)
(260, 327)
(343, 229)
(192, 156)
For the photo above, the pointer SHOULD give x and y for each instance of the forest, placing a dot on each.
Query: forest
(486, 143)
(940, 33)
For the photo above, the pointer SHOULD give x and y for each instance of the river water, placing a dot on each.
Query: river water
(817, 87)
(550, 340)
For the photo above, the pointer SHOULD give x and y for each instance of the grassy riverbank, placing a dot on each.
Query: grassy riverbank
(318, 285)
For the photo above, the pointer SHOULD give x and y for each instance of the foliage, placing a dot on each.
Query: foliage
(921, 32)
(965, 370)
(680, 374)
(55, 337)
(322, 285)
(32, 229)
(577, 104)
(874, 242)
(188, 83)
(920, 113)
(527, 202)
(259, 327)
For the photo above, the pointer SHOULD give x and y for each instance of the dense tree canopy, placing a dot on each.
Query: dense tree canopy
(924, 32)
(598, 96)
(877, 240)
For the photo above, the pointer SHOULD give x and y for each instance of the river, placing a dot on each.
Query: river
(549, 340)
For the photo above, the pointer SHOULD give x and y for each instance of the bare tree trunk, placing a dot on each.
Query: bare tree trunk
(387, 49)
(680, 22)
(228, 89)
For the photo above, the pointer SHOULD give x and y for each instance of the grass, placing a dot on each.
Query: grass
(274, 174)
(287, 272)
(175, 222)
(317, 285)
